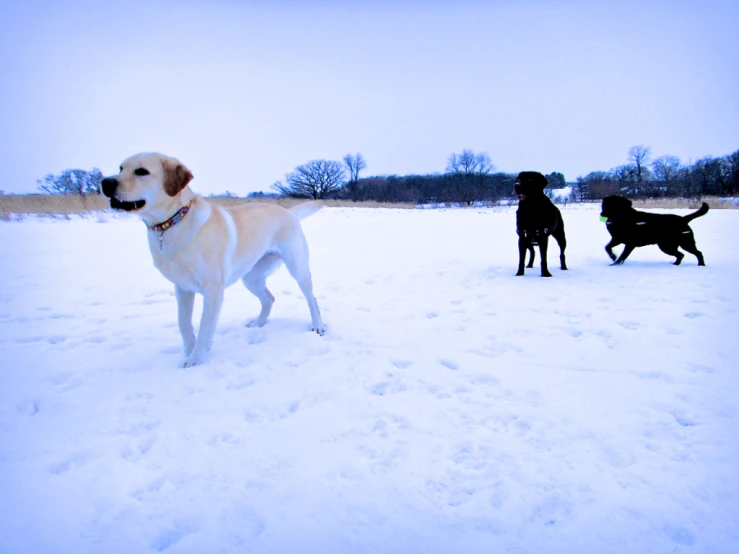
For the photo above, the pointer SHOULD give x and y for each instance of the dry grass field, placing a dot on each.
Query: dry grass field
(45, 204)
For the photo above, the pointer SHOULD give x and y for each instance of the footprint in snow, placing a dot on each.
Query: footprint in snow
(171, 536)
(28, 407)
(449, 364)
(679, 534)
(387, 387)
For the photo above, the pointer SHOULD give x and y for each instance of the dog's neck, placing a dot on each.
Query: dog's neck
(161, 215)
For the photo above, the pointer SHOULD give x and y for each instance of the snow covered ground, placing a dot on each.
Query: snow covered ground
(450, 408)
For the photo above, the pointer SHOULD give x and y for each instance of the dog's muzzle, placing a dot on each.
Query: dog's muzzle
(109, 186)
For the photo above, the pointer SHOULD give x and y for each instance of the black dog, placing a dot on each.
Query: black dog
(633, 228)
(537, 218)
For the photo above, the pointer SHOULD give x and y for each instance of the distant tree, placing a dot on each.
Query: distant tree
(625, 176)
(708, 176)
(732, 166)
(556, 180)
(666, 170)
(72, 181)
(639, 157)
(595, 185)
(354, 165)
(315, 179)
(469, 163)
(468, 171)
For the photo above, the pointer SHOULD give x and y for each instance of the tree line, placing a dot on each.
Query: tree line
(470, 177)
(662, 177)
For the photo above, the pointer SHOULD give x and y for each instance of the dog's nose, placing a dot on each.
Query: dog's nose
(109, 185)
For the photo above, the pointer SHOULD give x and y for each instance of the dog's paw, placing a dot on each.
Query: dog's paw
(320, 329)
(519, 273)
(256, 323)
(547, 274)
(193, 360)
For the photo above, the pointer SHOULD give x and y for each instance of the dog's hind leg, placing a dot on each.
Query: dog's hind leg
(532, 257)
(671, 250)
(562, 242)
(295, 256)
(688, 244)
(256, 282)
(543, 245)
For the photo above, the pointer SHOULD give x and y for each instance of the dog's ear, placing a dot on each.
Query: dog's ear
(176, 176)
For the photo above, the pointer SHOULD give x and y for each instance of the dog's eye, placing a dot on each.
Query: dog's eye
(141, 172)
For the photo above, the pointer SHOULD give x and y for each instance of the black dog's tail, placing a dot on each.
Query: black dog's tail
(703, 210)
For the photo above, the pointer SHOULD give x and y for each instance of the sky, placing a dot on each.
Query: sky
(243, 92)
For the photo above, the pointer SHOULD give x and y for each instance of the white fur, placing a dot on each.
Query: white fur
(213, 247)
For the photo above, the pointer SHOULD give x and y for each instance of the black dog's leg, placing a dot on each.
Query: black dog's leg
(532, 257)
(523, 245)
(671, 250)
(628, 249)
(689, 245)
(609, 249)
(559, 236)
(543, 253)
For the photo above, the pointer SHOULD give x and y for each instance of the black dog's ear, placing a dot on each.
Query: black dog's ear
(176, 176)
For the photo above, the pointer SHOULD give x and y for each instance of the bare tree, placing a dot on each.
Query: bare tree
(354, 164)
(639, 156)
(666, 170)
(468, 171)
(316, 179)
(469, 163)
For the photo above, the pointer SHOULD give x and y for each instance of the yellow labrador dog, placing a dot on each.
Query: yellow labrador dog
(204, 248)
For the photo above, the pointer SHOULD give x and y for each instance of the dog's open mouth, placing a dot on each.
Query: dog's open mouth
(125, 205)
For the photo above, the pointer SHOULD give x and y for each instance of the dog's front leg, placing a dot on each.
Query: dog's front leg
(543, 245)
(628, 249)
(212, 302)
(609, 249)
(523, 245)
(185, 302)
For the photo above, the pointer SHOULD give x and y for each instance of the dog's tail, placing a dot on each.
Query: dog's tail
(703, 210)
(301, 211)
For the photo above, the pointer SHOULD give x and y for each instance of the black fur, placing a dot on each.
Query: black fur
(633, 228)
(537, 218)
